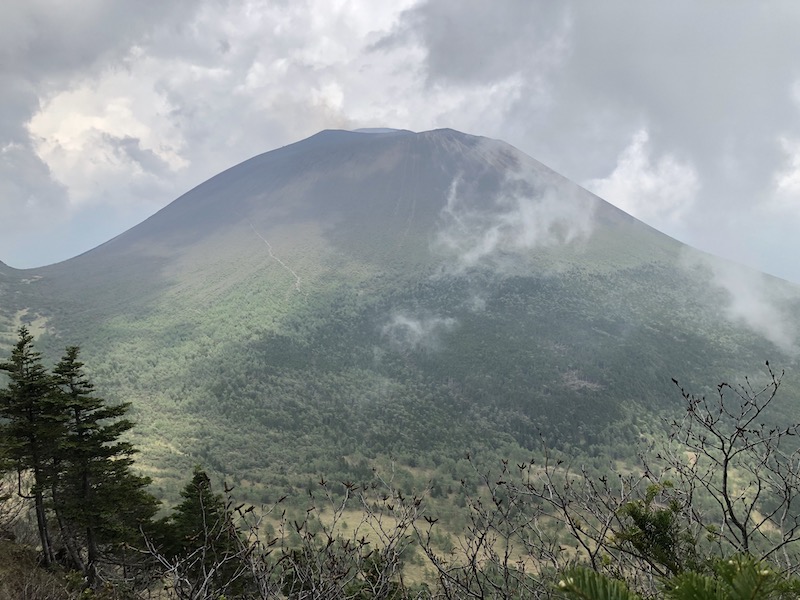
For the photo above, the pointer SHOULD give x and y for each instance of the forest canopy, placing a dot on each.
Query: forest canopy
(710, 512)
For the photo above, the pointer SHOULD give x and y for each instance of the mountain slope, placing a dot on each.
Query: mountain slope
(355, 296)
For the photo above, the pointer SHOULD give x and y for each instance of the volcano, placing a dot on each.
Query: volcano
(383, 295)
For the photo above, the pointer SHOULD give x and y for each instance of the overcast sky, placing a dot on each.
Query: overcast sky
(685, 114)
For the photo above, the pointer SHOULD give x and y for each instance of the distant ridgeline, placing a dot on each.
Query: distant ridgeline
(393, 300)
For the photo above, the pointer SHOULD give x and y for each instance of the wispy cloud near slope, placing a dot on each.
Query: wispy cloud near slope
(752, 299)
(408, 332)
(522, 214)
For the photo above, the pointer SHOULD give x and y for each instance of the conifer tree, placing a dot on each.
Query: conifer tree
(65, 445)
(202, 543)
(32, 428)
(99, 501)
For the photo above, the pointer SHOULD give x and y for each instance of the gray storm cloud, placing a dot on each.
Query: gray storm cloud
(717, 98)
(202, 85)
(521, 215)
(409, 332)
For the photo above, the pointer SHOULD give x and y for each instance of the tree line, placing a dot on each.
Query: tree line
(711, 512)
(64, 445)
(62, 450)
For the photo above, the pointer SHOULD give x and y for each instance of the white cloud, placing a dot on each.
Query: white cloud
(787, 180)
(407, 332)
(124, 108)
(786, 191)
(650, 190)
(484, 227)
(107, 136)
(754, 300)
(164, 108)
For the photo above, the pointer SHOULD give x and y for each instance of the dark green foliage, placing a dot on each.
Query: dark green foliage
(100, 502)
(199, 518)
(33, 421)
(737, 578)
(201, 542)
(32, 428)
(66, 440)
(584, 584)
(657, 533)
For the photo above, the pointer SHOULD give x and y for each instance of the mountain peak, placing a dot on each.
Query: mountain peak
(380, 130)
(392, 292)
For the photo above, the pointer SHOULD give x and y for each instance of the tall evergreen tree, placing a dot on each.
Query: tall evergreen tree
(65, 444)
(32, 428)
(201, 539)
(99, 501)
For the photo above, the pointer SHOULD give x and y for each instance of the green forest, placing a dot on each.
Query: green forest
(708, 510)
(293, 319)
